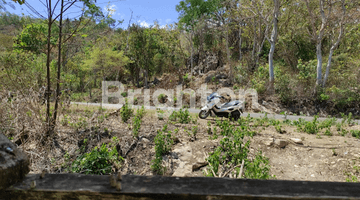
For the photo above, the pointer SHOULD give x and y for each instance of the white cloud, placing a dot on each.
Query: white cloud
(144, 23)
(168, 20)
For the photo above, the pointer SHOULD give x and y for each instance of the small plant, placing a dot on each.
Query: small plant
(343, 132)
(327, 123)
(327, 132)
(80, 124)
(181, 116)
(334, 152)
(278, 129)
(318, 136)
(209, 127)
(161, 98)
(136, 127)
(186, 78)
(137, 121)
(126, 112)
(338, 126)
(259, 168)
(163, 143)
(65, 120)
(312, 127)
(124, 94)
(194, 131)
(350, 120)
(160, 114)
(355, 133)
(83, 146)
(98, 161)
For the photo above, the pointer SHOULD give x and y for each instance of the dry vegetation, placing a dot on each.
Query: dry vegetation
(322, 156)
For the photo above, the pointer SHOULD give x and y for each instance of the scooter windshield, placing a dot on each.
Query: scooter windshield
(211, 96)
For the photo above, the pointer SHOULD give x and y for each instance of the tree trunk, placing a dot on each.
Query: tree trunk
(192, 52)
(334, 46)
(273, 38)
(48, 121)
(319, 62)
(146, 78)
(228, 56)
(252, 66)
(240, 42)
(59, 68)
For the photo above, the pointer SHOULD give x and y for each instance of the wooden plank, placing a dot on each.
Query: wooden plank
(79, 186)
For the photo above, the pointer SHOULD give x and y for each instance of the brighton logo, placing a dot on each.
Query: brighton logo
(171, 94)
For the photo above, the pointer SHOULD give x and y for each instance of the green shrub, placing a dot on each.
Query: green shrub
(161, 97)
(233, 150)
(98, 161)
(163, 142)
(126, 112)
(327, 123)
(355, 133)
(312, 126)
(124, 94)
(181, 116)
(137, 121)
(259, 168)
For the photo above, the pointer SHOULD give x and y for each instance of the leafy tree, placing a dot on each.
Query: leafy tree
(105, 61)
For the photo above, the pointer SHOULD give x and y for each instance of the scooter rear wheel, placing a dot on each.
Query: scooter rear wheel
(235, 115)
(204, 114)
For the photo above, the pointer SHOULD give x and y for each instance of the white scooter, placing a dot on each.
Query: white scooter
(231, 109)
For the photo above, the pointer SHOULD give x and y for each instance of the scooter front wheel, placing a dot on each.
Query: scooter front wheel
(204, 114)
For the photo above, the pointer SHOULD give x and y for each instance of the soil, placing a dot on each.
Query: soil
(326, 159)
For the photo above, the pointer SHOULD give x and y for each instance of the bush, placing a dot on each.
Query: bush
(181, 116)
(355, 133)
(163, 143)
(228, 157)
(98, 161)
(137, 121)
(126, 112)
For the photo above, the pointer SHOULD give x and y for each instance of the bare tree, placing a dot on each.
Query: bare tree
(340, 25)
(318, 34)
(272, 41)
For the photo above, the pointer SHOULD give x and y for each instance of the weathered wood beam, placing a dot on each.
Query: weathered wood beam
(14, 164)
(79, 186)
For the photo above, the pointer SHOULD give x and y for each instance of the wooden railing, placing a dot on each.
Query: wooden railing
(79, 186)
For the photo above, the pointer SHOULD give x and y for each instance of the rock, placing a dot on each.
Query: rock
(296, 140)
(265, 103)
(144, 140)
(281, 143)
(269, 142)
(14, 164)
(183, 170)
(199, 165)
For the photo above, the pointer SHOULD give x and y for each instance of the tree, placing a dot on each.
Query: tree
(106, 61)
(272, 41)
(51, 19)
(213, 12)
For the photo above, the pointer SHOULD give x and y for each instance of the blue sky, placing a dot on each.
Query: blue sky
(145, 12)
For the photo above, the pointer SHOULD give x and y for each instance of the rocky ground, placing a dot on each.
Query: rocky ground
(293, 155)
